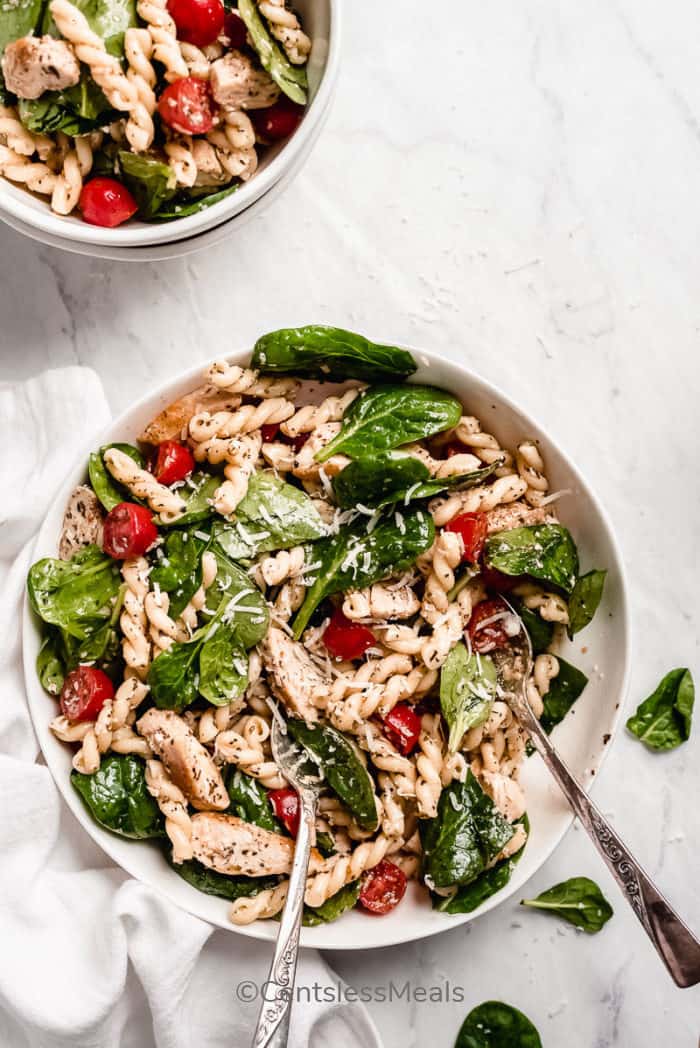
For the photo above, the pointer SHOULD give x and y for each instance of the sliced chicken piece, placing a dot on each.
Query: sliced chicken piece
(237, 83)
(229, 845)
(172, 421)
(517, 515)
(82, 522)
(190, 766)
(294, 677)
(35, 64)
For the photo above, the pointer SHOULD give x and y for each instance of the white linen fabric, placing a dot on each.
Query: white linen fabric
(90, 958)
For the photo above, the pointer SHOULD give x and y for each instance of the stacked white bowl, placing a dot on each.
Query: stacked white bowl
(143, 241)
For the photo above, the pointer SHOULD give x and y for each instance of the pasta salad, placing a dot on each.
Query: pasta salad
(335, 555)
(147, 108)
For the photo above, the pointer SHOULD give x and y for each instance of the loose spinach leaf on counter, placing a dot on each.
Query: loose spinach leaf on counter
(151, 182)
(344, 771)
(467, 692)
(465, 836)
(543, 551)
(18, 19)
(564, 689)
(77, 594)
(273, 515)
(191, 201)
(353, 558)
(494, 1024)
(663, 721)
(578, 901)
(108, 490)
(540, 632)
(289, 78)
(117, 798)
(584, 600)
(470, 896)
(108, 18)
(250, 802)
(223, 666)
(76, 110)
(330, 353)
(198, 492)
(212, 883)
(387, 416)
(334, 907)
(395, 476)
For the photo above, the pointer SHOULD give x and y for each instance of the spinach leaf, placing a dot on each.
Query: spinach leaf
(344, 771)
(223, 666)
(198, 492)
(325, 844)
(387, 416)
(543, 551)
(289, 78)
(76, 594)
(540, 632)
(238, 600)
(470, 896)
(330, 354)
(108, 491)
(334, 907)
(584, 600)
(212, 883)
(250, 802)
(465, 836)
(663, 721)
(75, 110)
(273, 515)
(178, 566)
(497, 1025)
(578, 901)
(108, 18)
(173, 678)
(564, 689)
(117, 798)
(467, 692)
(50, 665)
(151, 182)
(18, 18)
(395, 476)
(102, 646)
(353, 558)
(191, 201)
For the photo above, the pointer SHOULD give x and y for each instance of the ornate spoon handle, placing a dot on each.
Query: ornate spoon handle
(272, 1030)
(673, 940)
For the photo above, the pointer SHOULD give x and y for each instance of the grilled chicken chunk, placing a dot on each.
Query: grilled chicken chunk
(190, 766)
(293, 675)
(35, 64)
(515, 515)
(229, 845)
(171, 421)
(237, 83)
(82, 522)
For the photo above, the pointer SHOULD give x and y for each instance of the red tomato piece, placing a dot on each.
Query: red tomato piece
(198, 22)
(285, 804)
(174, 462)
(279, 121)
(474, 531)
(485, 638)
(346, 639)
(383, 888)
(235, 31)
(106, 202)
(269, 432)
(496, 580)
(85, 691)
(129, 531)
(299, 441)
(402, 727)
(187, 106)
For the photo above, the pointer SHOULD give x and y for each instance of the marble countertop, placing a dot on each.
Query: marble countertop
(514, 185)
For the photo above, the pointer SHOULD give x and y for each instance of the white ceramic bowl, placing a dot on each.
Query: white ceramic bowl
(321, 19)
(580, 738)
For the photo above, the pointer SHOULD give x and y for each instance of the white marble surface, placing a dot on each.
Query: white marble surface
(516, 185)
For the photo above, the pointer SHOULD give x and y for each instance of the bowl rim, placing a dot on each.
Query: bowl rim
(267, 930)
(16, 202)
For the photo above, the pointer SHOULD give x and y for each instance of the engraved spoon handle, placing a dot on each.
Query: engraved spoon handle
(272, 1030)
(672, 939)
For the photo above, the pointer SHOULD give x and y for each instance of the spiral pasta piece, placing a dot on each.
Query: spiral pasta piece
(222, 425)
(243, 746)
(90, 49)
(16, 136)
(381, 601)
(168, 504)
(530, 467)
(138, 50)
(479, 499)
(163, 33)
(189, 613)
(280, 567)
(77, 164)
(179, 152)
(136, 647)
(551, 606)
(429, 766)
(240, 455)
(447, 552)
(163, 629)
(234, 379)
(112, 729)
(171, 801)
(285, 27)
(311, 416)
(36, 176)
(386, 757)
(346, 868)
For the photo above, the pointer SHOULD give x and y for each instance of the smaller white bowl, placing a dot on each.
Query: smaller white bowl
(24, 211)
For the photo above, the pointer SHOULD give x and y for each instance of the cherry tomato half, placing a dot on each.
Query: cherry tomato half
(285, 804)
(235, 31)
(346, 639)
(402, 727)
(278, 121)
(187, 106)
(269, 432)
(128, 531)
(473, 529)
(174, 462)
(383, 887)
(485, 638)
(198, 22)
(85, 691)
(106, 202)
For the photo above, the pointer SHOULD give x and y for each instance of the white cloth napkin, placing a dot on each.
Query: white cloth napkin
(90, 958)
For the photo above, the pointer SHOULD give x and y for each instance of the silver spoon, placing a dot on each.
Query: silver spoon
(672, 939)
(272, 1030)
